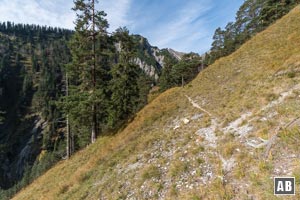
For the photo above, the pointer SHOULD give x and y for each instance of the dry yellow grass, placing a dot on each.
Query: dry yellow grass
(245, 81)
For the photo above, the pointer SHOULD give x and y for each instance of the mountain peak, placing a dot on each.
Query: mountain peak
(178, 55)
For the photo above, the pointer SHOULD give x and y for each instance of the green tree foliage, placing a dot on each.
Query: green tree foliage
(105, 89)
(180, 73)
(144, 84)
(124, 83)
(166, 80)
(252, 17)
(34, 63)
(274, 9)
(29, 88)
(88, 69)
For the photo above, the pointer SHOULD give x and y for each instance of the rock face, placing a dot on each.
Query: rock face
(152, 59)
(31, 149)
(14, 163)
(148, 69)
(176, 54)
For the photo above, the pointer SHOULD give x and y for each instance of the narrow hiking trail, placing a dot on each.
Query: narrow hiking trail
(207, 132)
(242, 127)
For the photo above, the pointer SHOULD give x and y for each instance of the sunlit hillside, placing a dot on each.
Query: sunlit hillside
(223, 136)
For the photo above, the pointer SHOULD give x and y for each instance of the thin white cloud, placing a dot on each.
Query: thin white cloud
(117, 12)
(186, 28)
(38, 12)
(59, 13)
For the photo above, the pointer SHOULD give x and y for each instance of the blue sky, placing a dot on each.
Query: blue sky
(184, 25)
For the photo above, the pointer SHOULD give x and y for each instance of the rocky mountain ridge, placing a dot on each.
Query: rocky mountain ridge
(151, 59)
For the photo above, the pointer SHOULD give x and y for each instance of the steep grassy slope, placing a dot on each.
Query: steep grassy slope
(223, 136)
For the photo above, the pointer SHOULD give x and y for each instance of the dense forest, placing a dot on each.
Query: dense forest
(39, 89)
(32, 59)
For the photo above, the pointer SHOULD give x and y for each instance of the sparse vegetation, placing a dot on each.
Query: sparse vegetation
(151, 172)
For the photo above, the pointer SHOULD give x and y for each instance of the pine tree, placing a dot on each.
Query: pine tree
(252, 17)
(218, 44)
(186, 70)
(274, 9)
(124, 83)
(166, 80)
(87, 91)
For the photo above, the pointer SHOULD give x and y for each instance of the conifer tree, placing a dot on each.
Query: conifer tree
(252, 17)
(124, 83)
(87, 92)
(166, 80)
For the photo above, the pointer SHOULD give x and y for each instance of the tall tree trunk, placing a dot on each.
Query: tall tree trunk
(68, 139)
(94, 125)
(94, 107)
(69, 149)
